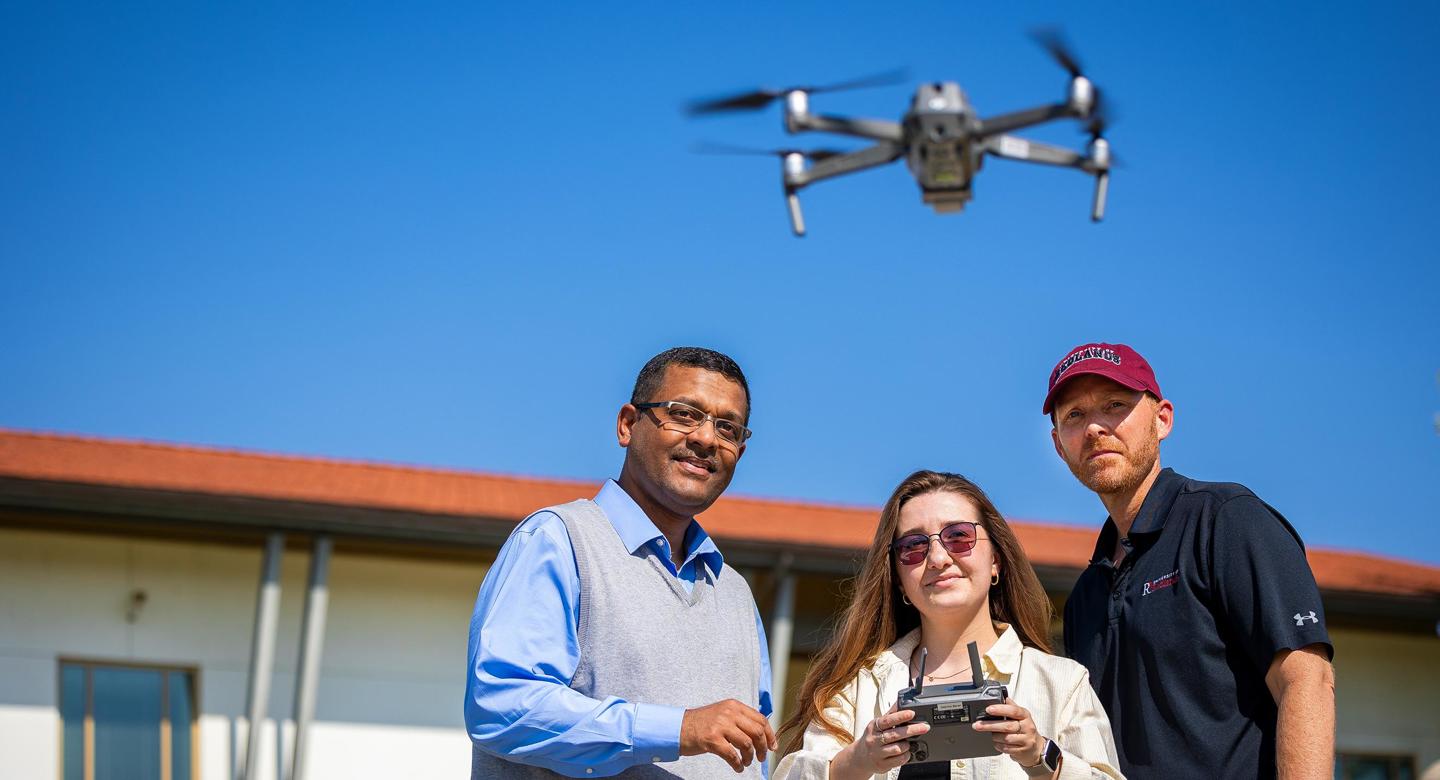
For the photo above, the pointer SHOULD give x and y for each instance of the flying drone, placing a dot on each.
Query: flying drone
(942, 138)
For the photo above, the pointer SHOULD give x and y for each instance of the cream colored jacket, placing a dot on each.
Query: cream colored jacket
(1055, 690)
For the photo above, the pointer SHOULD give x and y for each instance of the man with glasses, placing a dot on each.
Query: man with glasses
(609, 636)
(1198, 616)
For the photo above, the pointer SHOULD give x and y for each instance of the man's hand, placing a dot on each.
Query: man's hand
(728, 729)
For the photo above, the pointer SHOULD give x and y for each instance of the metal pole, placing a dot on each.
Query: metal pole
(262, 652)
(782, 630)
(311, 639)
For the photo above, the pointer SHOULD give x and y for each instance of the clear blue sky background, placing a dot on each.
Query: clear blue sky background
(449, 235)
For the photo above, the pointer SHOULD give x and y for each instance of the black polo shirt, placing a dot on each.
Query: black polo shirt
(1179, 636)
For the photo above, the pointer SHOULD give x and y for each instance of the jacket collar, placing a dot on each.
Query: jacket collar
(999, 662)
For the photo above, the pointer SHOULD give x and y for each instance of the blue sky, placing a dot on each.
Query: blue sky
(450, 235)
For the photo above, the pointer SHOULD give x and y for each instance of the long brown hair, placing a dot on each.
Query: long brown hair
(876, 617)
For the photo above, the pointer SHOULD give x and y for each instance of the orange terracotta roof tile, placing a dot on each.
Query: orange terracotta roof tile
(213, 471)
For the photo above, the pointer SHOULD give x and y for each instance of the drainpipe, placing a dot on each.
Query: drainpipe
(262, 652)
(312, 637)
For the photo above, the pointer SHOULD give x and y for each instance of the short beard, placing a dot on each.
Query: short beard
(1138, 465)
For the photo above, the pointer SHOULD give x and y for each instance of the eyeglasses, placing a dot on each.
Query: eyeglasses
(956, 538)
(686, 418)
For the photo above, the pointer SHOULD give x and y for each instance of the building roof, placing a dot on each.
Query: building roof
(55, 459)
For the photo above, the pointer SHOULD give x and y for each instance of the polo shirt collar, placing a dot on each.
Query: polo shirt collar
(636, 530)
(1156, 505)
(1149, 521)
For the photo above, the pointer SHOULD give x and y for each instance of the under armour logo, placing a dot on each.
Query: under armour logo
(1300, 619)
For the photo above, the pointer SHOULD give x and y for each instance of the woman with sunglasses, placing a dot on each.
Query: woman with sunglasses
(945, 570)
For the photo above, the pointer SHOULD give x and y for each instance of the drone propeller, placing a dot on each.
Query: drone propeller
(814, 155)
(760, 98)
(1054, 42)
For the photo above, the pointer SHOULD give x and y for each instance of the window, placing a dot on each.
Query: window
(127, 722)
(1354, 766)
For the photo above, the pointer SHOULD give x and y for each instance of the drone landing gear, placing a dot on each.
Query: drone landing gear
(795, 175)
(1096, 161)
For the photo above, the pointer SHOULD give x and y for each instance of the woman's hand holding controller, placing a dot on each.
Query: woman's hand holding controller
(882, 746)
(1015, 736)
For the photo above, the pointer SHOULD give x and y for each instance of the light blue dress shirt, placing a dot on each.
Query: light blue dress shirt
(524, 650)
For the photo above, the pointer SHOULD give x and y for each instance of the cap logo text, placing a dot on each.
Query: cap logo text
(1088, 353)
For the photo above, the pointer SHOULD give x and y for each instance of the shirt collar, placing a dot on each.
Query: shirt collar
(1003, 657)
(1149, 521)
(1151, 517)
(636, 529)
(1001, 660)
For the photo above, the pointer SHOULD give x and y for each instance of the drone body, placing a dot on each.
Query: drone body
(943, 139)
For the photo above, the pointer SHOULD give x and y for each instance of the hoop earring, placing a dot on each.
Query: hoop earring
(904, 599)
(995, 579)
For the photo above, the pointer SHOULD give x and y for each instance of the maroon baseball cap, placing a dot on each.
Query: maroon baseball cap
(1112, 361)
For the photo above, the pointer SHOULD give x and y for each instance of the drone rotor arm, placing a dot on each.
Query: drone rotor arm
(1097, 162)
(1014, 148)
(839, 165)
(872, 129)
(1017, 120)
(795, 175)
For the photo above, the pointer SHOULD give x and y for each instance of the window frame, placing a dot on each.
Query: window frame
(89, 664)
(1392, 760)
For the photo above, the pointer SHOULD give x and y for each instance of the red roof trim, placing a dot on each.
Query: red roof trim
(179, 468)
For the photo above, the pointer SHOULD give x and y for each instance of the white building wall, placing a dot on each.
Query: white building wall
(390, 689)
(1387, 687)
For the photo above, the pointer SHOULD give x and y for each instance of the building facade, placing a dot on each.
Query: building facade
(159, 599)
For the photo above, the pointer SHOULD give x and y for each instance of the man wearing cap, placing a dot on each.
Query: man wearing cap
(1198, 617)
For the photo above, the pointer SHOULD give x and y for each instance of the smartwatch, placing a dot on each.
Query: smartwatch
(1049, 761)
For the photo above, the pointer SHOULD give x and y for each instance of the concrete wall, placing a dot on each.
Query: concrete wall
(389, 699)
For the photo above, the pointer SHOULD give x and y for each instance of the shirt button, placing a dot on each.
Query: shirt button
(589, 770)
(655, 760)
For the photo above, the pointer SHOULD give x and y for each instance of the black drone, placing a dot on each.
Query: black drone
(943, 140)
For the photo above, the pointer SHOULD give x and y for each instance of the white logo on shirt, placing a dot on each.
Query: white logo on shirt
(1300, 619)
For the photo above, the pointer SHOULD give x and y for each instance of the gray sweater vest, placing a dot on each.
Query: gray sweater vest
(644, 639)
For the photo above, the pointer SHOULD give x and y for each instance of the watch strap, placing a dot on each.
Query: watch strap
(1049, 761)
